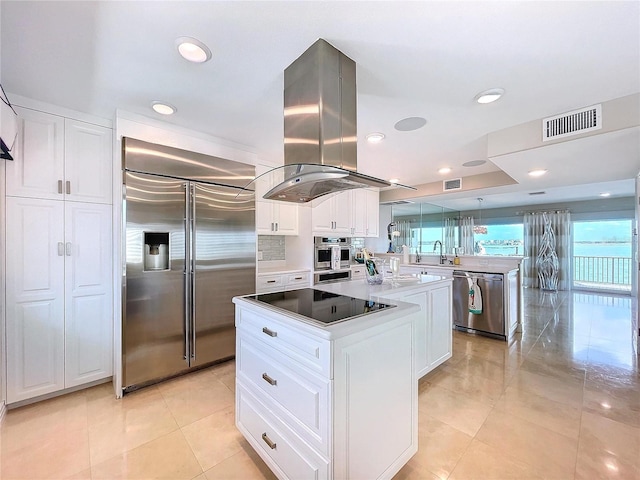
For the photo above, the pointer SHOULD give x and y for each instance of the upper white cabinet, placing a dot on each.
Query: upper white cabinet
(365, 212)
(60, 158)
(88, 162)
(59, 304)
(333, 215)
(273, 217)
(354, 213)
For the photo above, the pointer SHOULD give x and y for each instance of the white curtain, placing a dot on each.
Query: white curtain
(533, 230)
(449, 235)
(404, 237)
(466, 235)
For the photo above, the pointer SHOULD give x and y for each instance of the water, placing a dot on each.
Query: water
(579, 250)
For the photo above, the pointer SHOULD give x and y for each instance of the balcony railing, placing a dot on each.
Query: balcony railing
(602, 272)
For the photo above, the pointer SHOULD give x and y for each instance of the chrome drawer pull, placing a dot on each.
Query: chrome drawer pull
(298, 278)
(271, 281)
(268, 441)
(269, 380)
(271, 333)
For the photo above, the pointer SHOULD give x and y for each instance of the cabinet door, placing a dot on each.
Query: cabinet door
(440, 335)
(422, 331)
(35, 298)
(322, 216)
(88, 298)
(264, 218)
(359, 212)
(88, 162)
(287, 219)
(342, 213)
(38, 169)
(373, 213)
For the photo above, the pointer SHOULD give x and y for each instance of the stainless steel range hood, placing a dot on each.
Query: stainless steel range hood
(320, 141)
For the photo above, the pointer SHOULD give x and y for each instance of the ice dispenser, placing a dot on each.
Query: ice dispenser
(156, 251)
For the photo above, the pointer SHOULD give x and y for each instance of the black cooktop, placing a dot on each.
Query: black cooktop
(323, 307)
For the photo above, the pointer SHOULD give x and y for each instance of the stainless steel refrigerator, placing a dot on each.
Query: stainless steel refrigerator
(190, 247)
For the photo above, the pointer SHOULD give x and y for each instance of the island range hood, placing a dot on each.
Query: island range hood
(320, 143)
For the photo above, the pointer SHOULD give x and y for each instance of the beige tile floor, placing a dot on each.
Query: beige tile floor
(562, 401)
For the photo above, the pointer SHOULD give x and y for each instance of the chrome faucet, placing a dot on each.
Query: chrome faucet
(442, 257)
(417, 255)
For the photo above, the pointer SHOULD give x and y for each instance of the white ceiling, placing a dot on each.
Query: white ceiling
(426, 59)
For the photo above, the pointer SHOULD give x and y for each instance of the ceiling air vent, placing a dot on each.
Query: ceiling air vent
(572, 123)
(396, 202)
(453, 184)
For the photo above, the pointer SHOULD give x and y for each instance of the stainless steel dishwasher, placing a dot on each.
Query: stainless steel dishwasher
(491, 319)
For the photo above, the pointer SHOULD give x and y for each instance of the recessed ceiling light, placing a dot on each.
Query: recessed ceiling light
(410, 123)
(193, 50)
(394, 180)
(605, 194)
(490, 95)
(163, 108)
(537, 173)
(444, 170)
(474, 163)
(375, 137)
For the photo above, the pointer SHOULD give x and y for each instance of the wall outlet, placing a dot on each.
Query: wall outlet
(259, 255)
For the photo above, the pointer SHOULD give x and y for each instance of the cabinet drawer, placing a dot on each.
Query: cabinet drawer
(357, 272)
(311, 352)
(269, 282)
(288, 456)
(297, 280)
(300, 396)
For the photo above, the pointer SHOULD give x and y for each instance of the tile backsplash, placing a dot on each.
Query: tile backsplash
(272, 247)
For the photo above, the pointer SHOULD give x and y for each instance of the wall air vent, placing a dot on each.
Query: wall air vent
(537, 193)
(453, 184)
(572, 123)
(396, 202)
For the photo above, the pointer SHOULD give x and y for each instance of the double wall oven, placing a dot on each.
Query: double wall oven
(331, 259)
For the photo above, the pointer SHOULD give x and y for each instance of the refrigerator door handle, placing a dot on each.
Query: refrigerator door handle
(193, 271)
(187, 275)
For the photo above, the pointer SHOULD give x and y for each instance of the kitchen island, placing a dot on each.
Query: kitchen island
(325, 383)
(433, 293)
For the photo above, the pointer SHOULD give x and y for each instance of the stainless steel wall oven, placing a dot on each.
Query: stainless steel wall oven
(331, 253)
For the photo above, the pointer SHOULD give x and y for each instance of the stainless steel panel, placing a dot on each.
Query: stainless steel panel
(320, 108)
(173, 162)
(153, 304)
(224, 262)
(491, 320)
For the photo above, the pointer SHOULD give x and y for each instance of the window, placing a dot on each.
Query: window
(499, 239)
(602, 254)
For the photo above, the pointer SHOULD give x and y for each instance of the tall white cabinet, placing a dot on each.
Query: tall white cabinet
(273, 217)
(58, 248)
(352, 213)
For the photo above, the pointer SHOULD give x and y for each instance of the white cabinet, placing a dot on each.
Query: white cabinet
(60, 158)
(365, 212)
(434, 334)
(273, 217)
(353, 212)
(35, 297)
(276, 218)
(333, 215)
(59, 299)
(358, 271)
(307, 402)
(276, 281)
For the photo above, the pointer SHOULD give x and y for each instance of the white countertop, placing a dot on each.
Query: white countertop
(465, 268)
(281, 270)
(359, 288)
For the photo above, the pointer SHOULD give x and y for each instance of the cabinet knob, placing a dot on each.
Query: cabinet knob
(267, 440)
(68, 187)
(269, 380)
(271, 333)
(60, 248)
(68, 249)
(59, 186)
